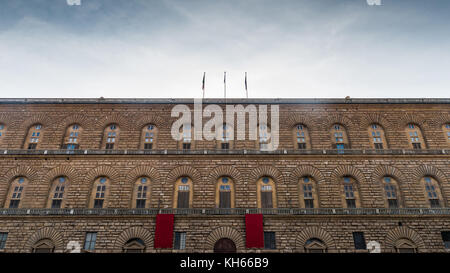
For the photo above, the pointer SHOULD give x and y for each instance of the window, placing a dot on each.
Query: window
(99, 193)
(142, 192)
(445, 238)
(446, 129)
(359, 240)
(301, 137)
(111, 136)
(225, 137)
(16, 192)
(186, 137)
(180, 240)
(135, 245)
(3, 237)
(315, 245)
(225, 193)
(351, 195)
(339, 138)
(2, 132)
(149, 137)
(391, 190)
(266, 193)
(183, 193)
(57, 193)
(308, 193)
(34, 137)
(432, 191)
(377, 136)
(72, 137)
(263, 137)
(415, 136)
(269, 240)
(89, 242)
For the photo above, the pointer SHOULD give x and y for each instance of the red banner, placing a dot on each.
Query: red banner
(164, 231)
(254, 230)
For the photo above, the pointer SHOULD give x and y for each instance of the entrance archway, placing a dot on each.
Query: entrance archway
(224, 245)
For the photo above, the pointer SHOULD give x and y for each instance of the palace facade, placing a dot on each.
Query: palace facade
(348, 175)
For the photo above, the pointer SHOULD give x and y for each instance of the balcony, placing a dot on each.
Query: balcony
(216, 211)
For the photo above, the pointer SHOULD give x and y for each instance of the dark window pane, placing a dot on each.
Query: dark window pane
(393, 203)
(98, 203)
(351, 203)
(417, 146)
(56, 204)
(186, 146)
(301, 146)
(183, 199)
(140, 203)
(180, 240)
(434, 203)
(269, 240)
(225, 146)
(13, 204)
(446, 238)
(360, 242)
(109, 146)
(32, 146)
(225, 199)
(379, 146)
(309, 203)
(3, 237)
(266, 199)
(91, 238)
(148, 146)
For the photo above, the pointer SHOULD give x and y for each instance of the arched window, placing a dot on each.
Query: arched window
(266, 194)
(391, 192)
(415, 137)
(2, 132)
(135, 245)
(225, 140)
(308, 193)
(16, 192)
(149, 137)
(339, 138)
(445, 127)
(57, 193)
(183, 193)
(301, 137)
(315, 245)
(405, 246)
(377, 137)
(44, 246)
(111, 136)
(100, 193)
(186, 142)
(351, 193)
(34, 137)
(225, 193)
(141, 193)
(432, 191)
(72, 137)
(263, 137)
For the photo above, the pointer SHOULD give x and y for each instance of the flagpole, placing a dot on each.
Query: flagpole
(225, 85)
(203, 84)
(246, 90)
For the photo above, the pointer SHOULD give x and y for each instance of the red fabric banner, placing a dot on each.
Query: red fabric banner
(254, 230)
(164, 231)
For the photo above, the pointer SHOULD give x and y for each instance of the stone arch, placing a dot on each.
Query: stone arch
(313, 232)
(387, 170)
(43, 119)
(134, 232)
(299, 118)
(306, 170)
(137, 172)
(8, 120)
(45, 233)
(261, 171)
(440, 120)
(415, 118)
(123, 122)
(377, 118)
(184, 171)
(347, 170)
(102, 170)
(224, 170)
(82, 120)
(62, 170)
(150, 119)
(5, 182)
(340, 119)
(427, 170)
(224, 232)
(403, 233)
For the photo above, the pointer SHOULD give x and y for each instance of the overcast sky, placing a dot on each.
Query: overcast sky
(292, 49)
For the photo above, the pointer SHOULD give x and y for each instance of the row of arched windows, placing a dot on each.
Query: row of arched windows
(301, 137)
(225, 192)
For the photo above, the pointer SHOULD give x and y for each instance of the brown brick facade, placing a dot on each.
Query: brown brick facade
(245, 166)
